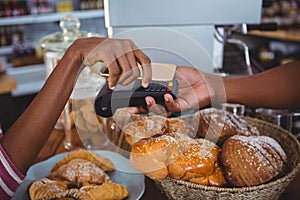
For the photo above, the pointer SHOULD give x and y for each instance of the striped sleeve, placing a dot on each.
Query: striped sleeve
(10, 176)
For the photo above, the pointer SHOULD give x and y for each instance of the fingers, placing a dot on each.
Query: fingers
(124, 67)
(114, 74)
(121, 56)
(171, 104)
(137, 110)
(145, 62)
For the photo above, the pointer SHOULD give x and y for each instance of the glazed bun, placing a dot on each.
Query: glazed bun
(199, 164)
(217, 125)
(151, 156)
(252, 160)
(178, 156)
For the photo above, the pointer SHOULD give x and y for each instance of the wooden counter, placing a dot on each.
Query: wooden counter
(286, 35)
(54, 146)
(7, 83)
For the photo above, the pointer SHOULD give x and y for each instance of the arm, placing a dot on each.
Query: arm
(26, 137)
(277, 88)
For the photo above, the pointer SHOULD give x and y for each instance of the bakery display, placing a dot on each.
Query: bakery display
(252, 160)
(82, 174)
(218, 125)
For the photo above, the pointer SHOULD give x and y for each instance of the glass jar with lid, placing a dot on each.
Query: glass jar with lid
(54, 47)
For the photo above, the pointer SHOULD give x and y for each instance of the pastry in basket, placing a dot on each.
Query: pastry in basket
(147, 126)
(199, 164)
(79, 175)
(218, 125)
(178, 156)
(144, 127)
(152, 155)
(252, 160)
(177, 125)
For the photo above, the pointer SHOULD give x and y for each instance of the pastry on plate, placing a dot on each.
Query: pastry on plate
(97, 159)
(81, 174)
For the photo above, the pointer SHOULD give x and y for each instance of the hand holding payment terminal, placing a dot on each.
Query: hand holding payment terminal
(133, 94)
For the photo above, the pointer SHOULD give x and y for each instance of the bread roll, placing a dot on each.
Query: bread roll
(199, 164)
(178, 156)
(252, 160)
(218, 125)
(152, 155)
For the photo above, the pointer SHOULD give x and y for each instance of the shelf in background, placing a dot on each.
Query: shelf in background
(29, 79)
(52, 17)
(6, 50)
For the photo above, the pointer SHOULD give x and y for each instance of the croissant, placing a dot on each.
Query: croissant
(106, 191)
(103, 163)
(79, 171)
(45, 189)
(79, 175)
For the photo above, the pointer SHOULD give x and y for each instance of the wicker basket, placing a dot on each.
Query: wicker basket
(179, 189)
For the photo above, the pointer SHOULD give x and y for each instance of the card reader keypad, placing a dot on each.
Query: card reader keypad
(159, 87)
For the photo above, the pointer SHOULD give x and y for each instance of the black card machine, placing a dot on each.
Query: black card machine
(133, 94)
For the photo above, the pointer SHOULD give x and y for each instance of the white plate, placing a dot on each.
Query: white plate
(124, 174)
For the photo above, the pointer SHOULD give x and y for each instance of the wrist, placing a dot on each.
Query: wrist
(216, 88)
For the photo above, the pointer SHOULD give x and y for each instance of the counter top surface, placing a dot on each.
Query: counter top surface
(7, 83)
(286, 35)
(54, 146)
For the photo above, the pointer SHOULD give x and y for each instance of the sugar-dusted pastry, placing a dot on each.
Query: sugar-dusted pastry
(144, 127)
(80, 171)
(177, 125)
(103, 163)
(252, 160)
(79, 175)
(45, 188)
(218, 125)
(106, 191)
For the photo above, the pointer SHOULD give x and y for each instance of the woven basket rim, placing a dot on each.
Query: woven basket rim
(280, 180)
